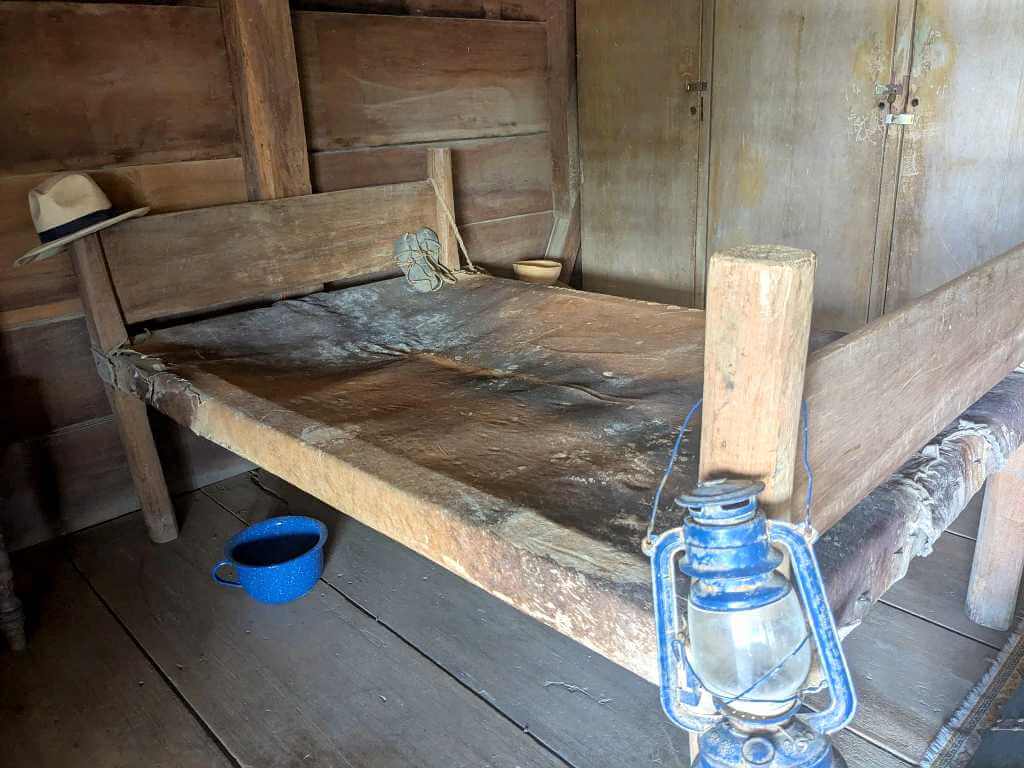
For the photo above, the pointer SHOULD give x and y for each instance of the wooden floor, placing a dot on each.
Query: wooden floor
(391, 661)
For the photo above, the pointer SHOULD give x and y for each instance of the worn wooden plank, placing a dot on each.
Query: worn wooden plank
(513, 10)
(265, 80)
(562, 106)
(444, 78)
(239, 252)
(813, 120)
(496, 244)
(862, 432)
(910, 676)
(83, 693)
(639, 146)
(522, 667)
(935, 589)
(862, 753)
(757, 327)
(961, 189)
(439, 173)
(40, 314)
(494, 178)
(142, 84)
(49, 378)
(350, 693)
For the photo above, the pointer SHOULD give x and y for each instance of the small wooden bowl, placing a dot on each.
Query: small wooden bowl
(541, 271)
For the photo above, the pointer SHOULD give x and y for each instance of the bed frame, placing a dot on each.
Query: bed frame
(875, 396)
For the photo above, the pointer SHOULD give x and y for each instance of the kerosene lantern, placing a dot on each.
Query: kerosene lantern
(736, 670)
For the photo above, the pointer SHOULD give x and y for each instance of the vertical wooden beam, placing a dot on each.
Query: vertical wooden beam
(563, 133)
(439, 170)
(758, 322)
(265, 77)
(107, 332)
(999, 556)
(12, 618)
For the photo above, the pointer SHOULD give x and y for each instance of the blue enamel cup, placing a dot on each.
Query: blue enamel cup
(277, 560)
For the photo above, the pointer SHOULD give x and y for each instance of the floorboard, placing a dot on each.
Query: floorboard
(910, 676)
(313, 683)
(935, 588)
(508, 658)
(966, 523)
(83, 694)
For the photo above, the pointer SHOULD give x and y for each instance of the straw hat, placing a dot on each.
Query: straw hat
(67, 207)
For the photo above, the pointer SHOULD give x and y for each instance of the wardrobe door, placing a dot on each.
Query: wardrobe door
(797, 137)
(639, 119)
(960, 196)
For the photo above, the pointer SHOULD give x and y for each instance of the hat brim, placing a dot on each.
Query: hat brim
(47, 250)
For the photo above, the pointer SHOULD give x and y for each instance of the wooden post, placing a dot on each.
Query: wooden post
(439, 170)
(758, 324)
(107, 333)
(264, 73)
(12, 618)
(999, 555)
(564, 242)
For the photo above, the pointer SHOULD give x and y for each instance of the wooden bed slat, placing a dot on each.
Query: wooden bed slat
(879, 394)
(180, 263)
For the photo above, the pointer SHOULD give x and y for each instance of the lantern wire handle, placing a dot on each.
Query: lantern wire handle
(805, 433)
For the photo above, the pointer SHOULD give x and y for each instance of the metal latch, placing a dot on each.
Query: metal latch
(888, 90)
(900, 118)
(696, 85)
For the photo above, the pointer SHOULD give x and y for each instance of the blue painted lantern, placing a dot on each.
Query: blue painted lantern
(736, 670)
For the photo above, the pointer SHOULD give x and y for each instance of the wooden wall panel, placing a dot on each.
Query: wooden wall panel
(960, 199)
(49, 379)
(639, 144)
(87, 85)
(514, 10)
(494, 178)
(77, 477)
(796, 137)
(376, 80)
(494, 245)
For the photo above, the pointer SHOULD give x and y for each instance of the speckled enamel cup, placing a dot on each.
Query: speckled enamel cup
(278, 560)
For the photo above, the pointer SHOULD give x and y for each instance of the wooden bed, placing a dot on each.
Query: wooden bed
(515, 433)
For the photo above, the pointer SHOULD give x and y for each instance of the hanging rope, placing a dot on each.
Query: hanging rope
(805, 433)
(470, 266)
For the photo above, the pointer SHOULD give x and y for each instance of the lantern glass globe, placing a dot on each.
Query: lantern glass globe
(733, 650)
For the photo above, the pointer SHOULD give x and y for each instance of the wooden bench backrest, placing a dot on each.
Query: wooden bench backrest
(183, 263)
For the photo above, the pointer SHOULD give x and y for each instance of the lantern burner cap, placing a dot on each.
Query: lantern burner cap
(722, 498)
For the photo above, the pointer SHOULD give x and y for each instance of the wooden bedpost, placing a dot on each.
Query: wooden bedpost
(439, 170)
(107, 333)
(999, 556)
(758, 324)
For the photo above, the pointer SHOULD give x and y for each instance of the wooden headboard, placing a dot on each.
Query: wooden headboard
(182, 263)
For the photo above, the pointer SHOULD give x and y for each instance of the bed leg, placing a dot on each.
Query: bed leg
(999, 555)
(12, 618)
(107, 333)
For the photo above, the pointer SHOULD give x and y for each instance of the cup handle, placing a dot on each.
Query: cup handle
(219, 579)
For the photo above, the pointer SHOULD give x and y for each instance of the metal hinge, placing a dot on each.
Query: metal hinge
(696, 85)
(900, 118)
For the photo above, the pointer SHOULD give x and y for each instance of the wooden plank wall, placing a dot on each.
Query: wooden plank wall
(140, 94)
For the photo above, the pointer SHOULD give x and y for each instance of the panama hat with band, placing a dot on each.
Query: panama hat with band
(67, 207)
